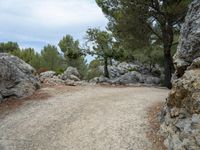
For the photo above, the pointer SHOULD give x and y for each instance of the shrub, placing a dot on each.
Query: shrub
(41, 70)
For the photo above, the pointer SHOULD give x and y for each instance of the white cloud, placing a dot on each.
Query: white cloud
(66, 12)
(47, 20)
(51, 13)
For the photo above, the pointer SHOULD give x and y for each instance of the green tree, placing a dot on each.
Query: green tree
(102, 46)
(93, 69)
(73, 54)
(27, 55)
(8, 47)
(51, 58)
(135, 23)
(151, 56)
(37, 61)
(71, 49)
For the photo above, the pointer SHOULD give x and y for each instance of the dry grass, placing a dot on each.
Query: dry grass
(152, 134)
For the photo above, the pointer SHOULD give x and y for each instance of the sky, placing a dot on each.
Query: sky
(36, 23)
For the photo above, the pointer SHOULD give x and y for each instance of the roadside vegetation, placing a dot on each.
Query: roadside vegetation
(138, 31)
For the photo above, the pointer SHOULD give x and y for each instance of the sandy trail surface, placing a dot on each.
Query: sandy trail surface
(82, 118)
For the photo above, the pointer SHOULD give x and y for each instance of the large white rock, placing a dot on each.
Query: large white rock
(71, 73)
(181, 119)
(16, 77)
(48, 74)
(189, 45)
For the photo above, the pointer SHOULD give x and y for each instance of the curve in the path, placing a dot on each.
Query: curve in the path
(91, 118)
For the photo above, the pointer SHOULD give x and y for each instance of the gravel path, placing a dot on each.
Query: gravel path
(85, 118)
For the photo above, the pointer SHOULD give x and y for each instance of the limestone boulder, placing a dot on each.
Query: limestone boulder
(48, 74)
(16, 77)
(71, 73)
(181, 120)
(189, 45)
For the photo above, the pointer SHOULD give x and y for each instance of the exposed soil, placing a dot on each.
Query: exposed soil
(154, 127)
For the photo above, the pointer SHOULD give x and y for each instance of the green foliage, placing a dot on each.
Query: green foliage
(151, 55)
(102, 46)
(29, 56)
(101, 41)
(37, 61)
(73, 54)
(70, 48)
(136, 24)
(81, 65)
(8, 47)
(93, 69)
(59, 71)
(51, 58)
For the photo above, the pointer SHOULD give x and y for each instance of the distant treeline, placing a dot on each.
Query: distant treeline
(142, 31)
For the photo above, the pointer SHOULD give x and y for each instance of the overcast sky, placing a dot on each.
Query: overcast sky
(35, 23)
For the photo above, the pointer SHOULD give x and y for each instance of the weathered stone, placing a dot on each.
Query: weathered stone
(151, 80)
(174, 112)
(189, 46)
(70, 82)
(94, 80)
(53, 81)
(186, 92)
(130, 77)
(181, 125)
(103, 79)
(184, 125)
(47, 74)
(71, 73)
(73, 77)
(16, 77)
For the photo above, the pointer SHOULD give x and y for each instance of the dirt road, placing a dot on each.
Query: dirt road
(84, 118)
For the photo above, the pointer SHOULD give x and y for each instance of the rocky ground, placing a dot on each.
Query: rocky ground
(86, 118)
(181, 115)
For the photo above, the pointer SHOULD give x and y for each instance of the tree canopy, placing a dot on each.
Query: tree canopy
(8, 47)
(138, 23)
(102, 46)
(73, 53)
(51, 58)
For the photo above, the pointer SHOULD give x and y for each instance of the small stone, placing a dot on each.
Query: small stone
(48, 74)
(174, 112)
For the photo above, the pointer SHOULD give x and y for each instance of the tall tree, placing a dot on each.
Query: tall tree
(102, 46)
(73, 54)
(37, 61)
(27, 55)
(71, 49)
(51, 57)
(134, 22)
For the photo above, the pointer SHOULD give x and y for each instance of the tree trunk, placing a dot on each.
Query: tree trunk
(111, 61)
(169, 69)
(168, 37)
(106, 73)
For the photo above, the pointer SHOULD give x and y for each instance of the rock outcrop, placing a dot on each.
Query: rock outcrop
(189, 46)
(69, 77)
(128, 73)
(71, 74)
(181, 115)
(48, 74)
(16, 77)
